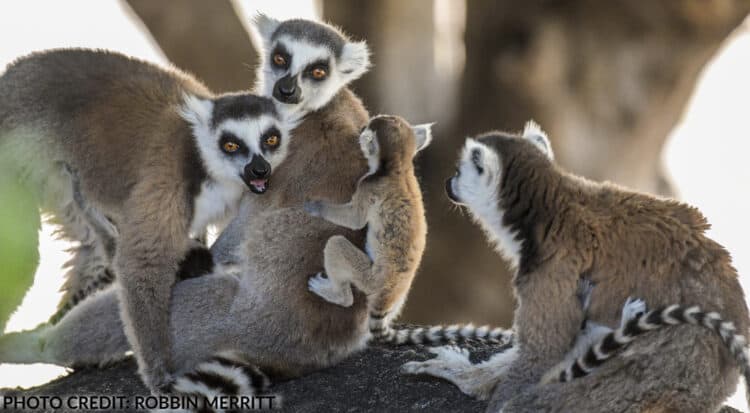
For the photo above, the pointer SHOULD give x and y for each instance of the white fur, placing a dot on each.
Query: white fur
(452, 364)
(352, 64)
(534, 133)
(215, 203)
(265, 25)
(220, 195)
(480, 194)
(423, 133)
(368, 142)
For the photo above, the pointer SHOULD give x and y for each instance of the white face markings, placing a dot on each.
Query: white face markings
(219, 196)
(368, 141)
(353, 62)
(477, 185)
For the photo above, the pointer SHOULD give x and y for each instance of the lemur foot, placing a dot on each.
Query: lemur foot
(452, 364)
(633, 308)
(324, 287)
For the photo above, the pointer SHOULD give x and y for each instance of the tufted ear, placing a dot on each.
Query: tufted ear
(266, 26)
(534, 133)
(354, 60)
(197, 111)
(423, 135)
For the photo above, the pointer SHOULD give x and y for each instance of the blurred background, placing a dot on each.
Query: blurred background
(652, 95)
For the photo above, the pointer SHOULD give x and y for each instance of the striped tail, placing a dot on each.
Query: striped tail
(227, 376)
(672, 315)
(437, 335)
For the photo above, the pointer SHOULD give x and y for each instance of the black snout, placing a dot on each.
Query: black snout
(286, 91)
(256, 174)
(258, 168)
(449, 190)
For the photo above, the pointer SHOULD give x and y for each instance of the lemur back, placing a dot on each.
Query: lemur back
(557, 228)
(388, 202)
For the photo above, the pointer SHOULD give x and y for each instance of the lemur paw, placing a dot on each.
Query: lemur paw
(324, 287)
(448, 360)
(313, 207)
(633, 308)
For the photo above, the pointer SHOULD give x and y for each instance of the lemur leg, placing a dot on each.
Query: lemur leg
(351, 215)
(452, 364)
(345, 264)
(651, 375)
(90, 334)
(151, 244)
(90, 269)
(387, 303)
(591, 334)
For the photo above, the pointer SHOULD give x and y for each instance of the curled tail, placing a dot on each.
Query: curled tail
(225, 379)
(437, 335)
(672, 315)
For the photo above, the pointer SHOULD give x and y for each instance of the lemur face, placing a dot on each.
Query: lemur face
(240, 137)
(387, 139)
(489, 162)
(306, 63)
(478, 177)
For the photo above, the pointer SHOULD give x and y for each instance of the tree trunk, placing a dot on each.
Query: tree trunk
(607, 81)
(205, 38)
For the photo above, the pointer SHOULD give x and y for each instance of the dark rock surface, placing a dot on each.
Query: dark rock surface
(367, 382)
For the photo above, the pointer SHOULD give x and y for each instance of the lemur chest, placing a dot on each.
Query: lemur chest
(214, 203)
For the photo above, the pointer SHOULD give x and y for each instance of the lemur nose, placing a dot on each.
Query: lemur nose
(258, 168)
(260, 171)
(287, 89)
(287, 86)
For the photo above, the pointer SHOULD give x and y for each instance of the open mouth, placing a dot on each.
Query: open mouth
(258, 186)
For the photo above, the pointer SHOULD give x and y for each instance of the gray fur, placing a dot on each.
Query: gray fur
(136, 141)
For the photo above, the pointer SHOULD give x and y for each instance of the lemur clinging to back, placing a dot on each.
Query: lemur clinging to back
(156, 153)
(388, 201)
(557, 228)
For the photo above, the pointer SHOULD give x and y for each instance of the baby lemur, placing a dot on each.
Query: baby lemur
(388, 201)
(557, 228)
(157, 154)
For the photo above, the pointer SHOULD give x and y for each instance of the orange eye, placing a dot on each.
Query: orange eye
(230, 147)
(279, 60)
(319, 73)
(272, 140)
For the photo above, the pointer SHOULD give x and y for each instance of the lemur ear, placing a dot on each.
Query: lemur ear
(265, 26)
(197, 111)
(534, 133)
(423, 135)
(355, 60)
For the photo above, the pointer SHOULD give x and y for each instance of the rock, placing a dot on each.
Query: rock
(367, 382)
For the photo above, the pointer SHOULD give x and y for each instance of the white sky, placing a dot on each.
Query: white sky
(705, 155)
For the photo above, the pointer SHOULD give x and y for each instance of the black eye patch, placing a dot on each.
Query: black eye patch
(321, 65)
(229, 137)
(264, 140)
(476, 159)
(283, 52)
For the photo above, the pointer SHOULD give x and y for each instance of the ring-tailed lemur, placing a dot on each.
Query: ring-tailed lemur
(556, 228)
(388, 202)
(156, 153)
